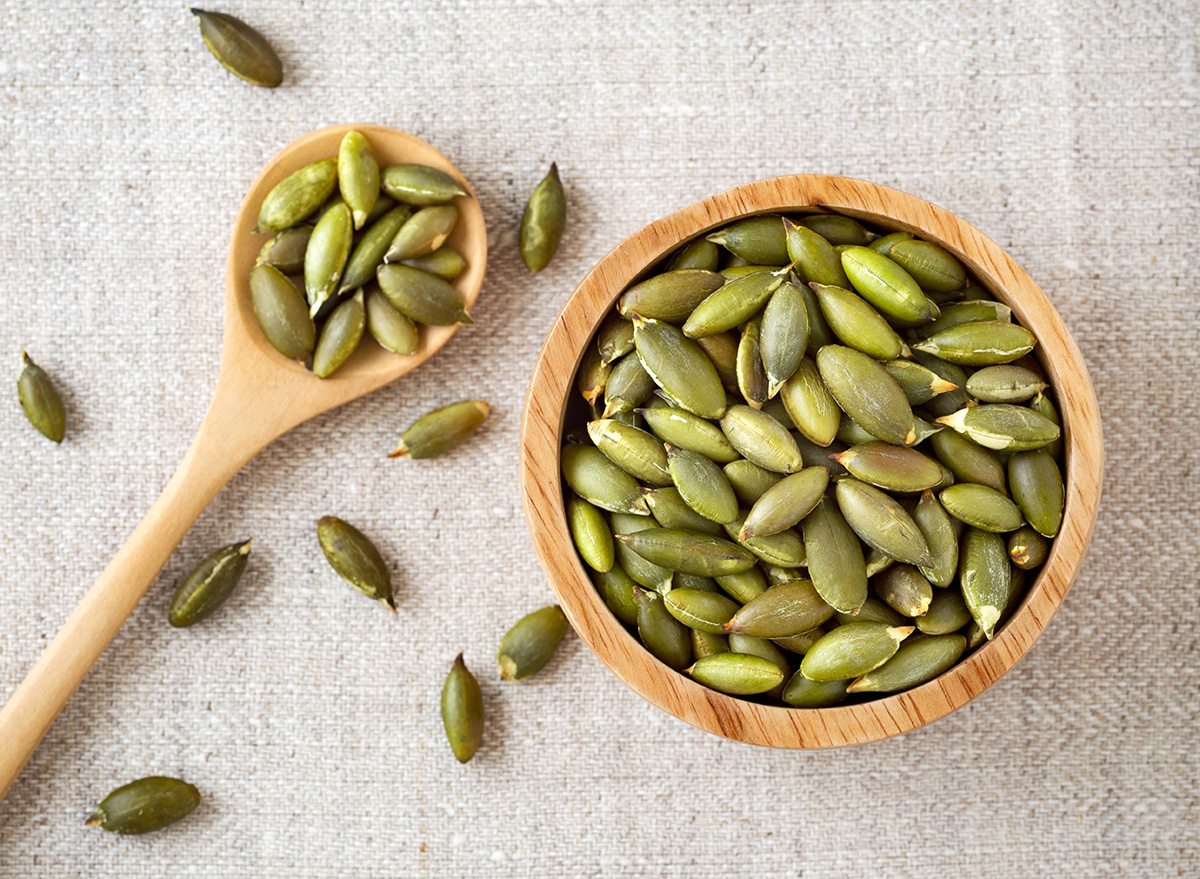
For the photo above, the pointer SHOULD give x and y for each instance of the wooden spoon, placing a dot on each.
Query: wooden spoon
(259, 396)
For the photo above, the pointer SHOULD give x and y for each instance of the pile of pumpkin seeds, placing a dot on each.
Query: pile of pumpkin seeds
(818, 461)
(368, 248)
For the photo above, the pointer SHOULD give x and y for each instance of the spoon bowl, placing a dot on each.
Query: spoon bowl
(260, 395)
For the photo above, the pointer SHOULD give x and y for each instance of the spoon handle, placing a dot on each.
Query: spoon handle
(211, 461)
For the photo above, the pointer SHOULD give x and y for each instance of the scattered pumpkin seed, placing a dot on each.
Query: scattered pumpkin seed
(543, 222)
(241, 49)
(145, 805)
(208, 585)
(531, 643)
(40, 401)
(462, 711)
(356, 559)
(441, 430)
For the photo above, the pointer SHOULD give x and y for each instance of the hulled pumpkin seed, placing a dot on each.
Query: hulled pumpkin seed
(751, 376)
(702, 484)
(801, 643)
(241, 49)
(708, 644)
(145, 805)
(462, 711)
(950, 401)
(355, 559)
(722, 350)
(628, 386)
(813, 256)
(852, 649)
(1027, 548)
(784, 549)
(282, 313)
(687, 431)
(761, 439)
(956, 313)
(809, 405)
(643, 572)
(699, 253)
(800, 692)
(884, 243)
(857, 324)
(783, 610)
(531, 643)
(422, 233)
(837, 229)
(835, 559)
(1003, 426)
(881, 522)
(913, 664)
(423, 297)
(785, 503)
(931, 266)
(904, 589)
(593, 538)
(328, 250)
(885, 285)
(919, 383)
(671, 296)
(441, 430)
(852, 433)
(743, 586)
(679, 367)
(893, 468)
(388, 326)
(601, 482)
(41, 402)
(757, 239)
(738, 674)
(688, 552)
(358, 176)
(941, 538)
(749, 481)
(1006, 383)
(593, 375)
(286, 250)
(614, 338)
(732, 305)
(968, 461)
(616, 589)
(340, 336)
(947, 613)
(703, 611)
(664, 636)
(367, 256)
(296, 196)
(981, 506)
(1041, 404)
(669, 509)
(877, 562)
(867, 394)
(985, 575)
(445, 263)
(872, 611)
(748, 645)
(420, 185)
(979, 343)
(543, 222)
(636, 452)
(1037, 487)
(208, 585)
(784, 336)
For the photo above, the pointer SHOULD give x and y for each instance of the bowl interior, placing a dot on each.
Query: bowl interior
(551, 398)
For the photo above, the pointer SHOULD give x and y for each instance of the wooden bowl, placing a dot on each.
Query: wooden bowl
(782, 727)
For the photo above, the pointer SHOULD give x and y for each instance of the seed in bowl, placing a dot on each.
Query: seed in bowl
(823, 455)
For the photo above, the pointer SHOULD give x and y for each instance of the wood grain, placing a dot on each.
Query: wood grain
(779, 726)
(259, 396)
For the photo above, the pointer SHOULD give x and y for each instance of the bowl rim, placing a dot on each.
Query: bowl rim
(728, 716)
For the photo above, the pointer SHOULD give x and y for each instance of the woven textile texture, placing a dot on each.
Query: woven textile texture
(308, 716)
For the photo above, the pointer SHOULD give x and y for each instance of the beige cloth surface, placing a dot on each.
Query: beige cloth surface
(1068, 131)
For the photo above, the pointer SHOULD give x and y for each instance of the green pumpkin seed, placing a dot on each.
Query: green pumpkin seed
(813, 256)
(601, 482)
(358, 176)
(819, 333)
(748, 645)
(367, 255)
(297, 196)
(919, 383)
(543, 222)
(867, 394)
(679, 366)
(687, 431)
(956, 313)
(732, 305)
(703, 611)
(751, 376)
(931, 266)
(885, 285)
(208, 585)
(784, 336)
(445, 263)
(835, 559)
(614, 338)
(785, 549)
(1041, 404)
(328, 250)
(420, 185)
(1006, 383)
(744, 586)
(981, 506)
(531, 643)
(913, 664)
(760, 240)
(145, 805)
(391, 329)
(783, 610)
(593, 375)
(877, 562)
(809, 404)
(340, 336)
(282, 313)
(702, 484)
(979, 343)
(985, 575)
(688, 552)
(892, 468)
(881, 522)
(693, 581)
(669, 509)
(722, 350)
(851, 650)
(872, 611)
(1016, 589)
(643, 572)
(636, 452)
(355, 559)
(286, 250)
(904, 589)
(851, 432)
(785, 503)
(423, 297)
(801, 643)
(441, 430)
(1027, 548)
(40, 401)
(968, 461)
(422, 233)
(947, 613)
(1003, 426)
(761, 439)
(884, 244)
(837, 229)
(664, 636)
(241, 49)
(857, 324)
(593, 538)
(737, 674)
(941, 538)
(671, 296)
(707, 644)
(1037, 487)
(462, 711)
(950, 401)
(699, 253)
(617, 589)
(628, 386)
(800, 692)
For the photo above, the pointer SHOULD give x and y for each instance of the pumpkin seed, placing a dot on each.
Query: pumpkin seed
(592, 536)
(643, 572)
(614, 338)
(872, 611)
(40, 401)
(593, 375)
(1041, 404)
(785, 503)
(616, 588)
(286, 250)
(145, 805)
(785, 548)
(420, 185)
(979, 343)
(664, 636)
(636, 452)
(968, 461)
(628, 386)
(851, 650)
(670, 510)
(441, 430)
(1037, 487)
(358, 176)
(355, 559)
(761, 439)
(702, 484)
(423, 297)
(687, 431)
(281, 313)
(699, 253)
(1003, 426)
(809, 405)
(884, 243)
(688, 552)
(931, 266)
(851, 432)
(340, 336)
(296, 196)
(904, 590)
(981, 506)
(388, 326)
(732, 305)
(857, 324)
(757, 239)
(703, 611)
(748, 645)
(707, 644)
(919, 383)
(737, 674)
(784, 336)
(819, 333)
(462, 711)
(877, 562)
(1027, 548)
(367, 256)
(543, 222)
(892, 468)
(881, 522)
(836, 228)
(679, 366)
(422, 233)
(328, 250)
(941, 538)
(241, 49)
(671, 296)
(601, 482)
(984, 573)
(722, 350)
(445, 263)
(913, 664)
(208, 585)
(744, 586)
(885, 285)
(783, 610)
(835, 559)
(531, 643)
(867, 394)
(801, 643)
(800, 692)
(956, 313)
(1006, 383)
(813, 256)
(751, 376)
(947, 613)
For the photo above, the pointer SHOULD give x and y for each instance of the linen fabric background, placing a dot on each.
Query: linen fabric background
(307, 715)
